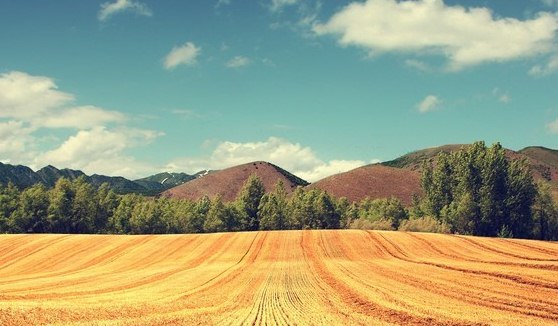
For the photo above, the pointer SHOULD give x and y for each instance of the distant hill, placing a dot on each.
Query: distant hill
(399, 177)
(166, 180)
(413, 160)
(543, 161)
(229, 182)
(20, 175)
(374, 181)
(24, 177)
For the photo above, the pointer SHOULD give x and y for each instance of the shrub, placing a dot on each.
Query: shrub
(424, 224)
(364, 224)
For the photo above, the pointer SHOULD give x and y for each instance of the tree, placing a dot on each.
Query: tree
(273, 209)
(215, 219)
(249, 200)
(31, 214)
(478, 191)
(107, 203)
(545, 214)
(119, 222)
(60, 209)
(9, 197)
(84, 207)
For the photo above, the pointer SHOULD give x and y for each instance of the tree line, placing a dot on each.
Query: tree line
(476, 191)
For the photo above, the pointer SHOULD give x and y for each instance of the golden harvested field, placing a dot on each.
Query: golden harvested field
(291, 277)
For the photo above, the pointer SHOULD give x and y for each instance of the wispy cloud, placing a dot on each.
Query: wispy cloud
(109, 9)
(418, 65)
(185, 54)
(238, 61)
(552, 126)
(277, 5)
(465, 36)
(546, 69)
(502, 96)
(428, 104)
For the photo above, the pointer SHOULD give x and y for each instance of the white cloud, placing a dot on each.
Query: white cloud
(302, 161)
(33, 105)
(543, 70)
(418, 65)
(182, 55)
(552, 127)
(428, 104)
(465, 36)
(503, 97)
(82, 117)
(15, 139)
(109, 9)
(37, 100)
(102, 151)
(277, 5)
(23, 96)
(238, 61)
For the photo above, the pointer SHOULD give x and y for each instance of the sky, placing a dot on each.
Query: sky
(137, 87)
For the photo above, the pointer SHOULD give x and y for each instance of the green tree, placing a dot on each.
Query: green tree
(31, 213)
(249, 200)
(216, 216)
(9, 197)
(273, 209)
(119, 222)
(107, 203)
(545, 214)
(60, 209)
(84, 207)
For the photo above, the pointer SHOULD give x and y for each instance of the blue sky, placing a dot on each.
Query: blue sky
(126, 87)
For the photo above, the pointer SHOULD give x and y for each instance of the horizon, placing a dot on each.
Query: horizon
(134, 88)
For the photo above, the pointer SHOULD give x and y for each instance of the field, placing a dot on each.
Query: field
(305, 277)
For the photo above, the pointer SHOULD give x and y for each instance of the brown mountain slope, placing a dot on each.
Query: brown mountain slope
(543, 161)
(229, 182)
(374, 181)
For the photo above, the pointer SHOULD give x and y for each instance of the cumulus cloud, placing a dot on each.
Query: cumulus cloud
(23, 96)
(238, 61)
(429, 103)
(109, 9)
(465, 36)
(102, 151)
(32, 108)
(37, 101)
(185, 54)
(15, 138)
(294, 157)
(543, 70)
(82, 117)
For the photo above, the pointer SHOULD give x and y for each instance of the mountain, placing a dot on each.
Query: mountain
(166, 180)
(413, 160)
(24, 177)
(229, 182)
(49, 175)
(19, 175)
(374, 181)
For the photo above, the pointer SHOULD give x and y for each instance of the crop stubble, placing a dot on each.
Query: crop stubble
(284, 277)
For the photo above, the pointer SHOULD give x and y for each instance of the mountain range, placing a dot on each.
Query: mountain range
(399, 177)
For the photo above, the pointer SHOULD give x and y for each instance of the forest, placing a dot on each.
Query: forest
(476, 190)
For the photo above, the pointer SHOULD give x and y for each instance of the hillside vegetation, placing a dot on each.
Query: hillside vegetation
(336, 277)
